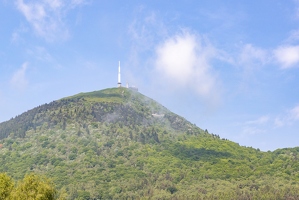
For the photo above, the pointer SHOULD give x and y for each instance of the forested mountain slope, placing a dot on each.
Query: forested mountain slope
(119, 144)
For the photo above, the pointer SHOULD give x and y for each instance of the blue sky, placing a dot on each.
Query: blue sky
(231, 67)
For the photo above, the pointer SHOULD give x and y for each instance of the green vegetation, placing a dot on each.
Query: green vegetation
(31, 187)
(119, 144)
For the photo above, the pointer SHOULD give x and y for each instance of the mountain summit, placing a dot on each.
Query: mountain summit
(115, 105)
(119, 144)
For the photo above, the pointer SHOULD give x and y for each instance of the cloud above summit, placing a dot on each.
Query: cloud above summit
(184, 61)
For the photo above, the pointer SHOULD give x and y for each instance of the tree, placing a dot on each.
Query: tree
(34, 187)
(6, 186)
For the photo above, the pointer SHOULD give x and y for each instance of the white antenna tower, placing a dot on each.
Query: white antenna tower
(119, 82)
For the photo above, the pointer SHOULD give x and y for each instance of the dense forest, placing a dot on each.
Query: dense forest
(119, 144)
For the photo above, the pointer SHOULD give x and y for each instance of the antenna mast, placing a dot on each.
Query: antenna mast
(119, 82)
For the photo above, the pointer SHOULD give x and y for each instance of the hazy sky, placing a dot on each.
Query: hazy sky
(231, 66)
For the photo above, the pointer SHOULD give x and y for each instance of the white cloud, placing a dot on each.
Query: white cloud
(260, 121)
(75, 3)
(19, 79)
(256, 126)
(184, 61)
(40, 53)
(252, 131)
(287, 56)
(295, 113)
(288, 118)
(250, 60)
(16, 35)
(278, 122)
(297, 8)
(54, 4)
(252, 56)
(145, 30)
(293, 38)
(177, 57)
(267, 122)
(46, 16)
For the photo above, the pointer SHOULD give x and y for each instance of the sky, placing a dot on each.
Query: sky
(231, 67)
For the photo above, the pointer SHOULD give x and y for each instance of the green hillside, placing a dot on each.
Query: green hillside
(119, 144)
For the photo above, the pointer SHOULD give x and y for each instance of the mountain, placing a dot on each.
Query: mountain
(119, 144)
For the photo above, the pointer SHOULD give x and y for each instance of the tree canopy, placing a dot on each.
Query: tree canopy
(31, 187)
